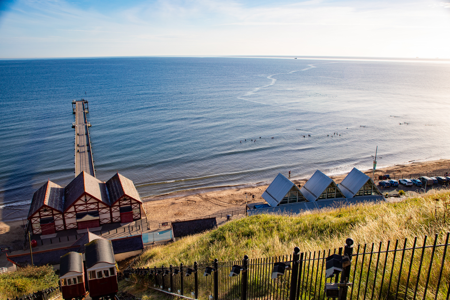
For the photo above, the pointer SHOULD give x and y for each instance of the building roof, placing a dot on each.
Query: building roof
(85, 183)
(99, 251)
(353, 182)
(71, 262)
(315, 186)
(184, 228)
(51, 195)
(85, 239)
(128, 244)
(119, 186)
(276, 191)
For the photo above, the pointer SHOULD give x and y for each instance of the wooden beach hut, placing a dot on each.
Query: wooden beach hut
(282, 191)
(46, 209)
(321, 187)
(86, 203)
(126, 205)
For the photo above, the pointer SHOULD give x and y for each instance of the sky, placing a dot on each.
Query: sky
(105, 28)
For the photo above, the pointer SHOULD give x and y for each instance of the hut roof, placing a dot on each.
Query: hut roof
(71, 262)
(51, 195)
(85, 183)
(315, 186)
(119, 186)
(276, 191)
(99, 251)
(353, 182)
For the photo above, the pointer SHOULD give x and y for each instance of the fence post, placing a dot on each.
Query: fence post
(348, 251)
(216, 279)
(171, 278)
(156, 278)
(294, 274)
(196, 280)
(162, 277)
(181, 279)
(244, 278)
(299, 282)
(336, 277)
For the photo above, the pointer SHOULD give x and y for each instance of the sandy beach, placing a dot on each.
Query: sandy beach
(193, 205)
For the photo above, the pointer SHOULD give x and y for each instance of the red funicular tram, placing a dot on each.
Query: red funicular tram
(101, 269)
(71, 276)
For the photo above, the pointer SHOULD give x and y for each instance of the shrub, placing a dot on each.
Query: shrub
(401, 192)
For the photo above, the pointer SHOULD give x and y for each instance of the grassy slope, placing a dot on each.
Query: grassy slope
(273, 235)
(27, 280)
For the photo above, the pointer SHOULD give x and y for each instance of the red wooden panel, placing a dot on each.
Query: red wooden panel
(104, 286)
(126, 217)
(88, 224)
(48, 228)
(73, 291)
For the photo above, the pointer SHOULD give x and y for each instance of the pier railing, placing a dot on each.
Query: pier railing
(406, 269)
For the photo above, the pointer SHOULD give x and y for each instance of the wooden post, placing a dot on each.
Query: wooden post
(31, 250)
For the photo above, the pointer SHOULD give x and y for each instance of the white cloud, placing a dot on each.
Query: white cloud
(207, 27)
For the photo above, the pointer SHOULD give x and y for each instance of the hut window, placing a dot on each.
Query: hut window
(63, 282)
(92, 275)
(80, 279)
(69, 281)
(111, 270)
(99, 274)
(106, 273)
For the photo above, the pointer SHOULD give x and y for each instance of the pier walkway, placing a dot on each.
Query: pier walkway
(84, 160)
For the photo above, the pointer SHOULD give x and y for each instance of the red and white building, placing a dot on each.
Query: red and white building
(85, 202)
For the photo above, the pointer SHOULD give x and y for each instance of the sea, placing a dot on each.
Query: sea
(188, 124)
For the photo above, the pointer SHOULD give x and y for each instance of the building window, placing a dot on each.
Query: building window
(80, 279)
(106, 273)
(111, 271)
(99, 274)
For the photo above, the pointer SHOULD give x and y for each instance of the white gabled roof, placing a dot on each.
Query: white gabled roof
(315, 186)
(353, 182)
(276, 191)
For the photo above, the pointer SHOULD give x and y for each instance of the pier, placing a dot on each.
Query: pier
(84, 160)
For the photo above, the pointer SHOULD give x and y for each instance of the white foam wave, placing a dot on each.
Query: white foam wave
(272, 83)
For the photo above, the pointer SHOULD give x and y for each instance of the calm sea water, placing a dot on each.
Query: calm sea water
(173, 124)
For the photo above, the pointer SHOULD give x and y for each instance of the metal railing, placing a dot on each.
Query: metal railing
(417, 269)
(40, 295)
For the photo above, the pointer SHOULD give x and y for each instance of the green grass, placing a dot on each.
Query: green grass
(267, 236)
(274, 235)
(26, 280)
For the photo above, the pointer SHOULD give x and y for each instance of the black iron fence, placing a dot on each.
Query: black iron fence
(40, 295)
(417, 269)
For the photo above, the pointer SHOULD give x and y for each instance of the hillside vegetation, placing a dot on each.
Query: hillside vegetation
(274, 235)
(26, 280)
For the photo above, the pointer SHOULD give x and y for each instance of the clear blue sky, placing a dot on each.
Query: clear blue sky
(70, 28)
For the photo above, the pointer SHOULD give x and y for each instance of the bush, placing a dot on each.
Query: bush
(27, 280)
(401, 193)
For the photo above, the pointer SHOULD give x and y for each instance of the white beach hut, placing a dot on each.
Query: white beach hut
(321, 187)
(357, 184)
(282, 191)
